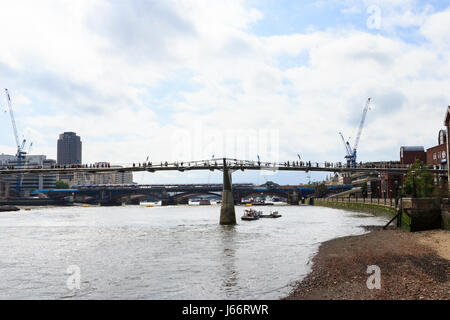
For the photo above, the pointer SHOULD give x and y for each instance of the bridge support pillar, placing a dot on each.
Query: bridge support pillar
(168, 202)
(110, 203)
(227, 213)
(294, 198)
(237, 198)
(134, 202)
(183, 201)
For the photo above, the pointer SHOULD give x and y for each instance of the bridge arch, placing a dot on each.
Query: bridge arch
(185, 195)
(276, 193)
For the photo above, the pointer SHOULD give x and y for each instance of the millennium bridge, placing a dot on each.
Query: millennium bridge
(227, 166)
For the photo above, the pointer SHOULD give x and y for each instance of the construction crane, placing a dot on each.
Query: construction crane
(20, 155)
(347, 146)
(351, 153)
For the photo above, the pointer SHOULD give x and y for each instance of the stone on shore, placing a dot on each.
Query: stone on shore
(413, 266)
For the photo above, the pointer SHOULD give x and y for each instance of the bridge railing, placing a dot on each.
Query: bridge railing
(386, 202)
(218, 163)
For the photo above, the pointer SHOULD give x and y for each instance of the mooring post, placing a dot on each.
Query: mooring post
(227, 213)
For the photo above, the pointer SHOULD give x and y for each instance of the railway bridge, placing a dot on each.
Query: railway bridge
(177, 194)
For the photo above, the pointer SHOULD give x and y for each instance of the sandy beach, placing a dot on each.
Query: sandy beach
(413, 266)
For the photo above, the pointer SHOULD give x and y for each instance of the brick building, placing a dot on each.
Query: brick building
(390, 183)
(437, 155)
(408, 155)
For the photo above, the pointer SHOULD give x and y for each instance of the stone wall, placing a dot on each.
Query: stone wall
(445, 212)
(4, 189)
(417, 214)
(420, 214)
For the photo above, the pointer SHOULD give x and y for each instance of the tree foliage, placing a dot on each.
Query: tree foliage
(419, 182)
(320, 190)
(440, 191)
(62, 185)
(364, 190)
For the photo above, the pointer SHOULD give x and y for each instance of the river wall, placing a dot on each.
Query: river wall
(415, 214)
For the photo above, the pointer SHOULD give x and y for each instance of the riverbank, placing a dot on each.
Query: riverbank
(8, 208)
(413, 266)
(366, 207)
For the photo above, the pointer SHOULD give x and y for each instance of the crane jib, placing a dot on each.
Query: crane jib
(20, 153)
(351, 154)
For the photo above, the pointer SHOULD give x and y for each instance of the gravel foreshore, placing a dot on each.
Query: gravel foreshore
(413, 266)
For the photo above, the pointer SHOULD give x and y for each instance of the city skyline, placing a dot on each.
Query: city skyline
(304, 69)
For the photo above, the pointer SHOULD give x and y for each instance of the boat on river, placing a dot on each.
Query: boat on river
(251, 214)
(273, 214)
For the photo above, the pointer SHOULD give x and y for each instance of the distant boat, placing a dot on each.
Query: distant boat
(260, 203)
(251, 214)
(204, 202)
(273, 214)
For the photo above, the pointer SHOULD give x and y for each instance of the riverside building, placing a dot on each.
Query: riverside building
(28, 182)
(69, 149)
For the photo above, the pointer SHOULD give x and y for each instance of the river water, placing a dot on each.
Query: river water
(140, 252)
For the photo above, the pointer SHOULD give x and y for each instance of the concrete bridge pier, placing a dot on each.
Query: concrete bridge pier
(110, 203)
(134, 202)
(227, 213)
(183, 201)
(237, 198)
(293, 199)
(168, 202)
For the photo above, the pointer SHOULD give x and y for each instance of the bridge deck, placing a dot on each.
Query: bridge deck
(211, 165)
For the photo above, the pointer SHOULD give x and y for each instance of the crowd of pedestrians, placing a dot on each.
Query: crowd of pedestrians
(232, 162)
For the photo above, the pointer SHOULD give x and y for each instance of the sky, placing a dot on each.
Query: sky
(185, 80)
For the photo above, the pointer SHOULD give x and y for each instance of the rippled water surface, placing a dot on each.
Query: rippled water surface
(139, 252)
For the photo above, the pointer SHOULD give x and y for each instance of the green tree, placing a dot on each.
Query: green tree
(320, 190)
(440, 191)
(419, 182)
(62, 185)
(364, 190)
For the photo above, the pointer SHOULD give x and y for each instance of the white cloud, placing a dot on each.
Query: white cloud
(436, 28)
(105, 70)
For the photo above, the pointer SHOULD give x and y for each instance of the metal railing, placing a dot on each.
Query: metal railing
(385, 202)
